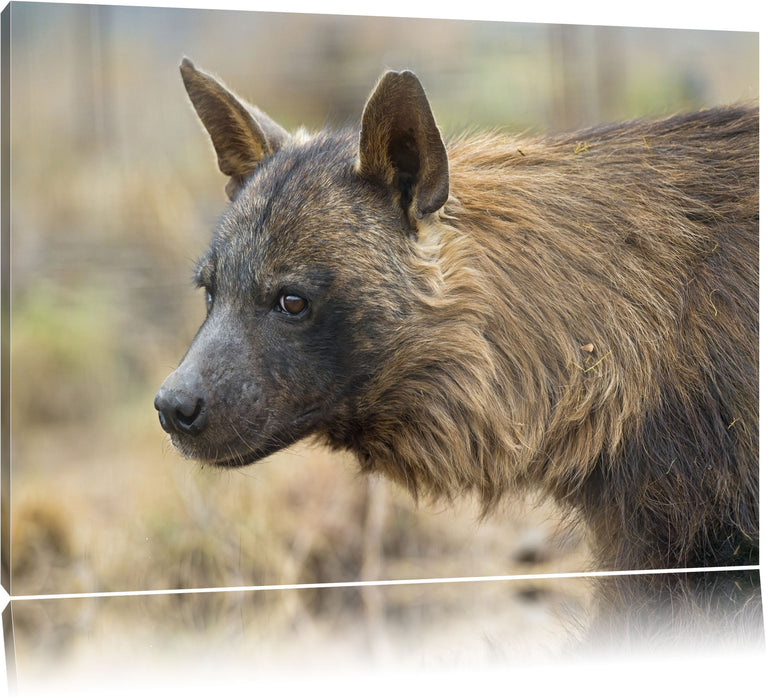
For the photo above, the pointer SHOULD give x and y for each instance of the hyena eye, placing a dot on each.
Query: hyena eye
(291, 304)
(208, 299)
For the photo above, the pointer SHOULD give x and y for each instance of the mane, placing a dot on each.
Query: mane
(571, 318)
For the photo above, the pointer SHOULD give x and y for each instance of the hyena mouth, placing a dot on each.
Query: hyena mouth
(299, 428)
(243, 460)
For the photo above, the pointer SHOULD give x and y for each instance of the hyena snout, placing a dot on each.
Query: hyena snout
(181, 405)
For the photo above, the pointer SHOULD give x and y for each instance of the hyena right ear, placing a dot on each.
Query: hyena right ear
(242, 135)
(400, 145)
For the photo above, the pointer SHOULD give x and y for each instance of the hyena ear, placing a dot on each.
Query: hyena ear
(242, 135)
(400, 145)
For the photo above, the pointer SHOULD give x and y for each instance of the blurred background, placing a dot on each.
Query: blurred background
(115, 191)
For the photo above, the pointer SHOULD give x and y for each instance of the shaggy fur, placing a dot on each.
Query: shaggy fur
(576, 314)
(592, 331)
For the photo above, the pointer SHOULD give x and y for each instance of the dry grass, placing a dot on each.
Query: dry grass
(145, 520)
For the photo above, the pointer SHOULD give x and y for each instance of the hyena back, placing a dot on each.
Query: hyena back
(576, 313)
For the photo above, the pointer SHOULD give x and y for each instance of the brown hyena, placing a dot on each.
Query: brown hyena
(575, 313)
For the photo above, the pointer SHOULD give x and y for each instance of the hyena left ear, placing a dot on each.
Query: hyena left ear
(242, 135)
(400, 145)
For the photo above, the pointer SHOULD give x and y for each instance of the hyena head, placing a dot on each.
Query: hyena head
(309, 273)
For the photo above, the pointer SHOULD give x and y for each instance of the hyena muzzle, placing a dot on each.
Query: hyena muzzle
(573, 313)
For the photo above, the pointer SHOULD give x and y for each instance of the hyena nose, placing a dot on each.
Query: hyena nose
(180, 411)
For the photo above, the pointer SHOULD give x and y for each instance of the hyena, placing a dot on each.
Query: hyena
(576, 314)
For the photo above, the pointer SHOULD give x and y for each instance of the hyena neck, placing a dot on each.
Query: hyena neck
(573, 354)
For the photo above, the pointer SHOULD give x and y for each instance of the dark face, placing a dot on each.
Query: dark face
(297, 281)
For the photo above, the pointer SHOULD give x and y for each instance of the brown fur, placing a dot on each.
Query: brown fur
(639, 239)
(576, 314)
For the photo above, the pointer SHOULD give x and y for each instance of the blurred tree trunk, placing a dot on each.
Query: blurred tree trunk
(372, 566)
(610, 71)
(588, 75)
(93, 91)
(567, 97)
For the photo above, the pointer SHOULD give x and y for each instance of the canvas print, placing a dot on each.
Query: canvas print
(379, 342)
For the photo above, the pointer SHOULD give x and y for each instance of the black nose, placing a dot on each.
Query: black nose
(180, 411)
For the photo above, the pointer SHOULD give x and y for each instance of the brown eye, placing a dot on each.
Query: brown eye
(292, 304)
